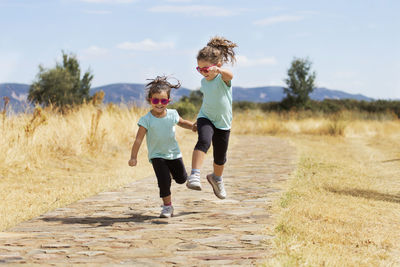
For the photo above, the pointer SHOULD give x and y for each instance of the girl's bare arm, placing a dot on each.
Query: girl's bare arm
(136, 145)
(187, 124)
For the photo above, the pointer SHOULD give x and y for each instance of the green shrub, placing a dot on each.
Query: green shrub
(186, 109)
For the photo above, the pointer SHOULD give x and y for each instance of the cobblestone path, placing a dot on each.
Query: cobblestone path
(122, 228)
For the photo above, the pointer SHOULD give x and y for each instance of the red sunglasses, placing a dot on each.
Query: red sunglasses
(164, 101)
(204, 69)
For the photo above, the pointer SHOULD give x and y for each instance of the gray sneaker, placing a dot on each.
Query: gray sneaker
(167, 211)
(218, 187)
(193, 182)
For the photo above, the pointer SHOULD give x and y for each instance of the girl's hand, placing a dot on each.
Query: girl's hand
(214, 69)
(132, 162)
(194, 127)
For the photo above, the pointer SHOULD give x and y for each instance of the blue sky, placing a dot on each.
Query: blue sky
(354, 45)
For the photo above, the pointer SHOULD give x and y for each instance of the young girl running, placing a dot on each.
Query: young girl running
(163, 151)
(215, 116)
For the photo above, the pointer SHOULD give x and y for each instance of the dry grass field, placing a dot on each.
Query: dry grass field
(341, 207)
(49, 160)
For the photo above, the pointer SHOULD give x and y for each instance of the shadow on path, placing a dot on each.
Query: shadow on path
(109, 221)
(103, 220)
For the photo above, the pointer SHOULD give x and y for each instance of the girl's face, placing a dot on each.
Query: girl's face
(208, 69)
(159, 102)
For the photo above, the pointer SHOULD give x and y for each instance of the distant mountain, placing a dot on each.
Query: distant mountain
(135, 93)
(132, 93)
(320, 94)
(258, 94)
(17, 93)
(128, 92)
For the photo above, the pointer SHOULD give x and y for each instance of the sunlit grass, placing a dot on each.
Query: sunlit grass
(340, 208)
(342, 124)
(49, 160)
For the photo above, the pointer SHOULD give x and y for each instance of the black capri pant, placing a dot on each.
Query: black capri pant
(208, 133)
(163, 169)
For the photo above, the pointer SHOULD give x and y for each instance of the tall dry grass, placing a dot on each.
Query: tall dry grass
(341, 206)
(51, 159)
(346, 124)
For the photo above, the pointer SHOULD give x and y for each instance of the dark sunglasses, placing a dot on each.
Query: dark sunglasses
(164, 101)
(204, 69)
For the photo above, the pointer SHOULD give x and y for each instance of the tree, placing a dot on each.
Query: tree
(187, 106)
(195, 97)
(300, 83)
(62, 85)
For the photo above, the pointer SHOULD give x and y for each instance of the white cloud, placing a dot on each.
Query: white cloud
(195, 10)
(109, 1)
(277, 19)
(95, 51)
(145, 45)
(243, 61)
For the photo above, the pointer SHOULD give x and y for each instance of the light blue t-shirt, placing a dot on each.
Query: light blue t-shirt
(217, 102)
(160, 136)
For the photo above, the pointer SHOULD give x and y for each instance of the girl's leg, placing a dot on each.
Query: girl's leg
(218, 169)
(163, 176)
(177, 169)
(220, 145)
(167, 200)
(205, 130)
(197, 159)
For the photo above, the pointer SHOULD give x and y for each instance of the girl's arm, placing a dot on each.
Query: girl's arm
(136, 145)
(226, 74)
(187, 124)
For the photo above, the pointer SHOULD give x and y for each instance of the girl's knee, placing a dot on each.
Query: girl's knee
(180, 180)
(203, 145)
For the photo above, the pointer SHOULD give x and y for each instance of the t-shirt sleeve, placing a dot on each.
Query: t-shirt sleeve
(143, 122)
(176, 116)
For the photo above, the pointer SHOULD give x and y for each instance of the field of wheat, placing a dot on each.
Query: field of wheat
(343, 198)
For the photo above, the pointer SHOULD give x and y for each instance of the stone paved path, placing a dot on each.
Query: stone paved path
(122, 228)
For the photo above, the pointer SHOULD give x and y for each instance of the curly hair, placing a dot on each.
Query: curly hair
(160, 84)
(218, 49)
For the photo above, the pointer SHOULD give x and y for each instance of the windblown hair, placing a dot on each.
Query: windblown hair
(218, 49)
(160, 84)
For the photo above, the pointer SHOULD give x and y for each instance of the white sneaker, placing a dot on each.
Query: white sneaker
(193, 182)
(167, 211)
(218, 186)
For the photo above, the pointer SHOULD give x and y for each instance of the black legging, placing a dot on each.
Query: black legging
(163, 169)
(207, 132)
